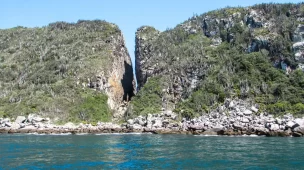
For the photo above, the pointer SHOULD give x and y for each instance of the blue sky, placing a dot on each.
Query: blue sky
(128, 15)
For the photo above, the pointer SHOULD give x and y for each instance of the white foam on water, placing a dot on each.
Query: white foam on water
(98, 134)
(232, 135)
(101, 134)
(206, 135)
(82, 134)
(134, 133)
(252, 135)
(35, 133)
(60, 134)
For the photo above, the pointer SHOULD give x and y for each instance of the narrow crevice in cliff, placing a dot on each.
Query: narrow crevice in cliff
(127, 82)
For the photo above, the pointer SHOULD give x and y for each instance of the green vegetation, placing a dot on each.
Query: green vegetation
(242, 66)
(148, 32)
(93, 108)
(226, 12)
(148, 100)
(46, 70)
(250, 76)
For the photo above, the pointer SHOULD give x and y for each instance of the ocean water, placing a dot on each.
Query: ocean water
(144, 151)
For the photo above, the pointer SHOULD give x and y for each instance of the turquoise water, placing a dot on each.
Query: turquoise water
(149, 152)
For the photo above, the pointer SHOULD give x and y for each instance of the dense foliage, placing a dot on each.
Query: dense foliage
(93, 108)
(232, 57)
(148, 100)
(45, 70)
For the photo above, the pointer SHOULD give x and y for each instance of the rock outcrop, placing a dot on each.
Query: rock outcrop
(235, 117)
(298, 45)
(120, 84)
(143, 48)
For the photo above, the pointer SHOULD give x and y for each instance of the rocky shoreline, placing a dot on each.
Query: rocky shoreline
(235, 117)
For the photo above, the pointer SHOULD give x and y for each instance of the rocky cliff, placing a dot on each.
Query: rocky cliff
(250, 53)
(69, 71)
(143, 50)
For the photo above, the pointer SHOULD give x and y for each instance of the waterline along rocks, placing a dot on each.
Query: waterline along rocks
(234, 117)
(66, 71)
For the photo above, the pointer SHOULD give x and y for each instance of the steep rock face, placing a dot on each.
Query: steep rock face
(117, 82)
(209, 57)
(143, 49)
(153, 58)
(71, 71)
(298, 45)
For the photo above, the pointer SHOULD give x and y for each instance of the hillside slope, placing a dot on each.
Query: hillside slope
(67, 71)
(254, 54)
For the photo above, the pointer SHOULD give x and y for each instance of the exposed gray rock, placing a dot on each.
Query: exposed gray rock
(37, 119)
(262, 130)
(247, 112)
(231, 105)
(15, 125)
(143, 47)
(136, 127)
(68, 125)
(29, 127)
(22, 125)
(279, 121)
(299, 130)
(130, 121)
(39, 125)
(20, 119)
(274, 127)
(290, 124)
(237, 126)
(5, 120)
(198, 126)
(297, 134)
(245, 120)
(258, 43)
(255, 19)
(288, 117)
(240, 114)
(165, 123)
(30, 117)
(8, 124)
(270, 120)
(216, 41)
(141, 122)
(171, 115)
(157, 123)
(254, 109)
(299, 121)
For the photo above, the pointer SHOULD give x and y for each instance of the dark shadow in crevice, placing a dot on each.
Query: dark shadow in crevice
(127, 82)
